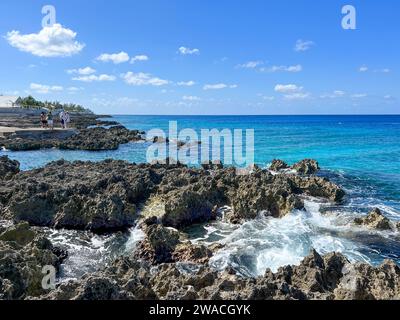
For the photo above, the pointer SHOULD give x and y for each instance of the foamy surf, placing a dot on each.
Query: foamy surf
(269, 243)
(86, 252)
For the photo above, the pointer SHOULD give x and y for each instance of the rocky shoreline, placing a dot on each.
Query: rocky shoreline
(112, 196)
(31, 120)
(105, 196)
(88, 133)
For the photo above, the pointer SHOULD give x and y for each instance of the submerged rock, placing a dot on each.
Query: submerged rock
(375, 220)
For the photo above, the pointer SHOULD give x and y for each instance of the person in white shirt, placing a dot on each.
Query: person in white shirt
(62, 119)
(67, 120)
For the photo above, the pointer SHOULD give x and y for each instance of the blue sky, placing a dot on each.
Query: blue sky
(204, 57)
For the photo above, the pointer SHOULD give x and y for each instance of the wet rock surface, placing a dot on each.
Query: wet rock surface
(375, 220)
(303, 167)
(105, 196)
(317, 277)
(277, 165)
(166, 245)
(306, 166)
(23, 254)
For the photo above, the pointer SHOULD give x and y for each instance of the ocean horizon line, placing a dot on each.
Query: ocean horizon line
(256, 115)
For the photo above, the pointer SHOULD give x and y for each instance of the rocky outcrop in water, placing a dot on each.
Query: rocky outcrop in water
(97, 139)
(277, 195)
(303, 167)
(23, 254)
(375, 220)
(92, 139)
(317, 277)
(165, 245)
(105, 196)
(277, 165)
(306, 166)
(8, 168)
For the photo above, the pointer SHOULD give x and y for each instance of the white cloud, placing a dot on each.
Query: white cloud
(44, 89)
(358, 95)
(142, 79)
(219, 86)
(191, 98)
(82, 71)
(296, 96)
(186, 83)
(389, 98)
(115, 101)
(287, 88)
(385, 70)
(295, 68)
(268, 98)
(54, 41)
(93, 78)
(302, 46)
(141, 57)
(74, 89)
(335, 94)
(339, 93)
(365, 69)
(292, 91)
(186, 51)
(250, 64)
(116, 58)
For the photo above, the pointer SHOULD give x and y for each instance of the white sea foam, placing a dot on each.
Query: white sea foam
(266, 242)
(86, 252)
(135, 235)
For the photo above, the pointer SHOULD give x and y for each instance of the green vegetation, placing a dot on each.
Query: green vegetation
(31, 102)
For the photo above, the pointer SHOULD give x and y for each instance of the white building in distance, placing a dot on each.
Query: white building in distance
(8, 102)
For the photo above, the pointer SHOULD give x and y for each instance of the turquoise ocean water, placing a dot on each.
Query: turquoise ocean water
(361, 153)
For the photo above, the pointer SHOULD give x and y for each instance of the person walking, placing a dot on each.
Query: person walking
(50, 121)
(67, 120)
(43, 120)
(62, 117)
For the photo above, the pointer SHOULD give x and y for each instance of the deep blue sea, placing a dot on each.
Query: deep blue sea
(361, 153)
